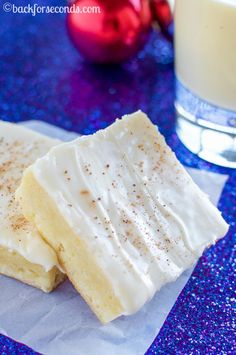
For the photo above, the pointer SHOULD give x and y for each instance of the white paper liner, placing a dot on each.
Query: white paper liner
(61, 323)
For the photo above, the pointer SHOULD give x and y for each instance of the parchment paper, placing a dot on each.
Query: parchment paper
(61, 323)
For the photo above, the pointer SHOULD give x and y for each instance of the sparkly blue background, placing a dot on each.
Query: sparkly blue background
(43, 77)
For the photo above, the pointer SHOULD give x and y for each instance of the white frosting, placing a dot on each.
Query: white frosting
(20, 147)
(168, 181)
(121, 191)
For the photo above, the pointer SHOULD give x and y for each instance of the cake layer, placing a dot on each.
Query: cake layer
(23, 246)
(118, 195)
(12, 264)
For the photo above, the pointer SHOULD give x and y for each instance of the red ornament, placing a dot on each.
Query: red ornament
(162, 14)
(114, 34)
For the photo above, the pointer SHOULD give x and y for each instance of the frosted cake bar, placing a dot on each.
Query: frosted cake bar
(121, 213)
(23, 254)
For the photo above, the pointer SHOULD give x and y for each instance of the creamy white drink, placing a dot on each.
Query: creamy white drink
(205, 45)
(205, 65)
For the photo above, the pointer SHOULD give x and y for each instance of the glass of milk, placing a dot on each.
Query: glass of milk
(205, 54)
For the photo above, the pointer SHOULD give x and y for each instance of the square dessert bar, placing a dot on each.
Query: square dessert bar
(24, 255)
(122, 214)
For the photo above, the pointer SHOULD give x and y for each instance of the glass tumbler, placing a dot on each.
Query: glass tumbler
(205, 67)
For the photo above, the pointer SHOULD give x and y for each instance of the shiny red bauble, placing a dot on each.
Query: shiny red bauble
(162, 14)
(113, 34)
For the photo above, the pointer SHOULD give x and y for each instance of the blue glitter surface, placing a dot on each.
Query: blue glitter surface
(43, 77)
(10, 347)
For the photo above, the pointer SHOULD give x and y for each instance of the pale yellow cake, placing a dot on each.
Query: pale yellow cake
(24, 255)
(121, 212)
